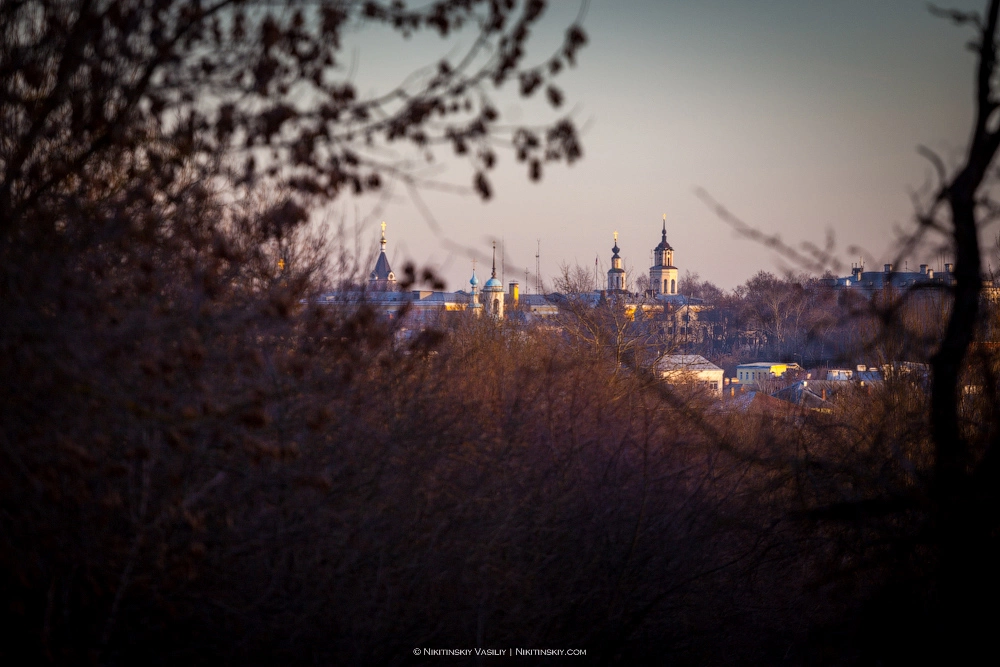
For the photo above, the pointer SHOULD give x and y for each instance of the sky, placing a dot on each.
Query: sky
(801, 118)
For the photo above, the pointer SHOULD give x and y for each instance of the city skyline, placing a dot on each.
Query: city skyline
(799, 120)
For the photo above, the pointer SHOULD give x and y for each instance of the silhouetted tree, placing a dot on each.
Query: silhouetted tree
(964, 487)
(249, 91)
(692, 285)
(168, 395)
(909, 502)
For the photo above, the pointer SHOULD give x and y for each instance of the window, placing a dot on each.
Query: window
(673, 287)
(664, 285)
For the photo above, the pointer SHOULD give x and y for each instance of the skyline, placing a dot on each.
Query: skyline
(798, 120)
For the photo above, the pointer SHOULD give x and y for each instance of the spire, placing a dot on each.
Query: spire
(616, 274)
(660, 257)
(382, 276)
(493, 290)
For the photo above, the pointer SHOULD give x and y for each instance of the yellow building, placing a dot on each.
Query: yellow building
(762, 370)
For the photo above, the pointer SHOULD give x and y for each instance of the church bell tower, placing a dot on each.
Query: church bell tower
(616, 274)
(663, 273)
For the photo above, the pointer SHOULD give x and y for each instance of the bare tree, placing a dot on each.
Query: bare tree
(965, 473)
(163, 376)
(252, 91)
(937, 509)
(574, 279)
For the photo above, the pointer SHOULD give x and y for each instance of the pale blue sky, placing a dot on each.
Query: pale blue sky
(799, 117)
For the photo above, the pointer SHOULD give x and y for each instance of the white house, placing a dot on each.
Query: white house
(680, 369)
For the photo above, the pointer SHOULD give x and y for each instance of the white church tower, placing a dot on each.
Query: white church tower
(474, 305)
(663, 273)
(616, 274)
(493, 291)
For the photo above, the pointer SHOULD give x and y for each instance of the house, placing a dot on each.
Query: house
(678, 369)
(812, 394)
(760, 371)
(860, 374)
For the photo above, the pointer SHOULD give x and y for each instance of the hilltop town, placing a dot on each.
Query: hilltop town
(800, 340)
(213, 453)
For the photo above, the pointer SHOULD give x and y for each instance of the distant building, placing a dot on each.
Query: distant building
(813, 394)
(474, 305)
(861, 373)
(422, 307)
(760, 371)
(493, 291)
(537, 306)
(616, 274)
(759, 403)
(891, 277)
(681, 369)
(663, 273)
(679, 316)
(382, 278)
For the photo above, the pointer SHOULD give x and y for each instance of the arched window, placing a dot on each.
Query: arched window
(673, 287)
(665, 286)
(496, 306)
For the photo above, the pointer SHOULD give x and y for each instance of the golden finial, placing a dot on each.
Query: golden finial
(616, 237)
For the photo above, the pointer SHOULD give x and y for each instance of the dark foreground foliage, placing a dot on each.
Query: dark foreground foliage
(199, 465)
